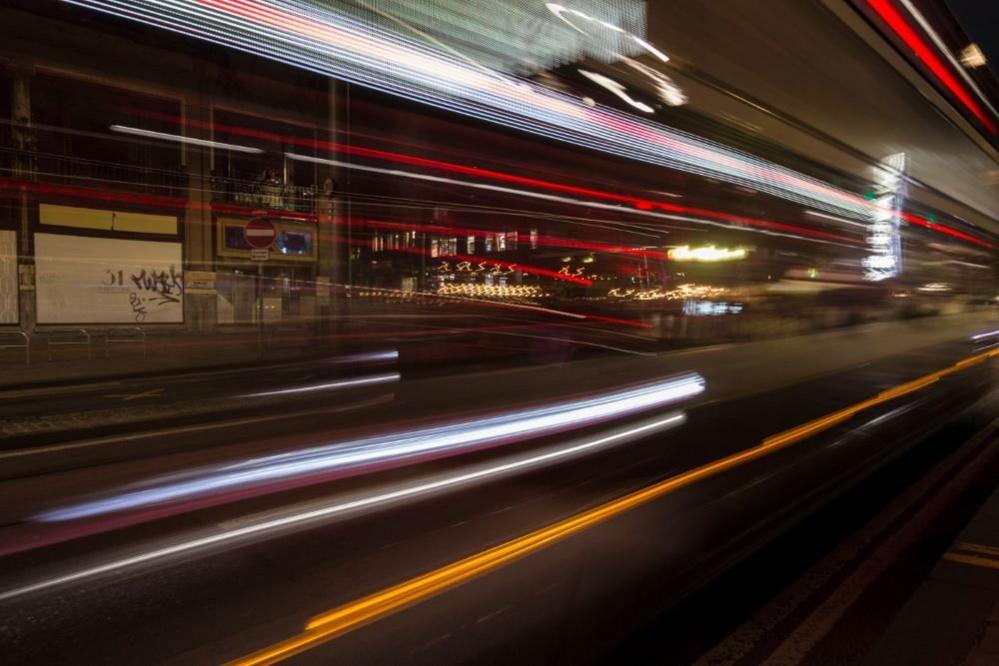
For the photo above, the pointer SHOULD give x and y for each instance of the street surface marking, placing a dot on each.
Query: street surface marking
(745, 640)
(977, 548)
(128, 397)
(971, 559)
(179, 430)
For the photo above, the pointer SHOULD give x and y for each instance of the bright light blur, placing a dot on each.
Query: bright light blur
(312, 312)
(398, 448)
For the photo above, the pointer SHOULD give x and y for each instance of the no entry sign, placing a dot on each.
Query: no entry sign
(259, 232)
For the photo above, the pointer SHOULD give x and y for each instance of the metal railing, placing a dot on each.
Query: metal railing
(67, 337)
(24, 343)
(80, 172)
(127, 335)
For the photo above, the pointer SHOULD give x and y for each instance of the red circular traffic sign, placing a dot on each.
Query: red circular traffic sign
(259, 232)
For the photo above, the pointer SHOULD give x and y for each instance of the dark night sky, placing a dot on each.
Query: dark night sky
(980, 19)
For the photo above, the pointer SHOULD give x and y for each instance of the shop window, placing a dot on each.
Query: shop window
(295, 243)
(267, 179)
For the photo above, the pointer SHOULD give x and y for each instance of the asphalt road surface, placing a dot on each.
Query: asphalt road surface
(236, 569)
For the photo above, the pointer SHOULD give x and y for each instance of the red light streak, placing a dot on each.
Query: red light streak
(623, 322)
(933, 226)
(638, 203)
(890, 15)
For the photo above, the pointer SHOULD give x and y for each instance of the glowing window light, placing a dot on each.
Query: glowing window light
(707, 253)
(972, 56)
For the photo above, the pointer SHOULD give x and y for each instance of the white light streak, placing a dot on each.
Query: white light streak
(669, 92)
(327, 42)
(365, 357)
(617, 89)
(397, 447)
(841, 220)
(942, 48)
(267, 526)
(149, 134)
(547, 197)
(328, 386)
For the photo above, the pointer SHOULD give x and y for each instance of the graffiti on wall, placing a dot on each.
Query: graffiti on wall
(108, 280)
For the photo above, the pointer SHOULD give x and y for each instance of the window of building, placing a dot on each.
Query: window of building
(90, 135)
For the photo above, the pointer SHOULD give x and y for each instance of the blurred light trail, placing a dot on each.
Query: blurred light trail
(640, 203)
(560, 11)
(623, 322)
(325, 41)
(642, 208)
(933, 226)
(350, 616)
(983, 336)
(272, 524)
(381, 451)
(328, 386)
(616, 89)
(841, 220)
(669, 92)
(900, 27)
(945, 51)
(386, 356)
(149, 134)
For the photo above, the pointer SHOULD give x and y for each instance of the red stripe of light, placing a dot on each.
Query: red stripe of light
(890, 15)
(933, 226)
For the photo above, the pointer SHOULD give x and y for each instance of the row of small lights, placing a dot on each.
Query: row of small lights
(491, 291)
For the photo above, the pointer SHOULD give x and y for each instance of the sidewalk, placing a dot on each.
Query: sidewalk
(164, 352)
(174, 350)
(953, 617)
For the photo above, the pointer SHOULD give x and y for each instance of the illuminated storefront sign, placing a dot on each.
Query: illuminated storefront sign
(884, 240)
(707, 253)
